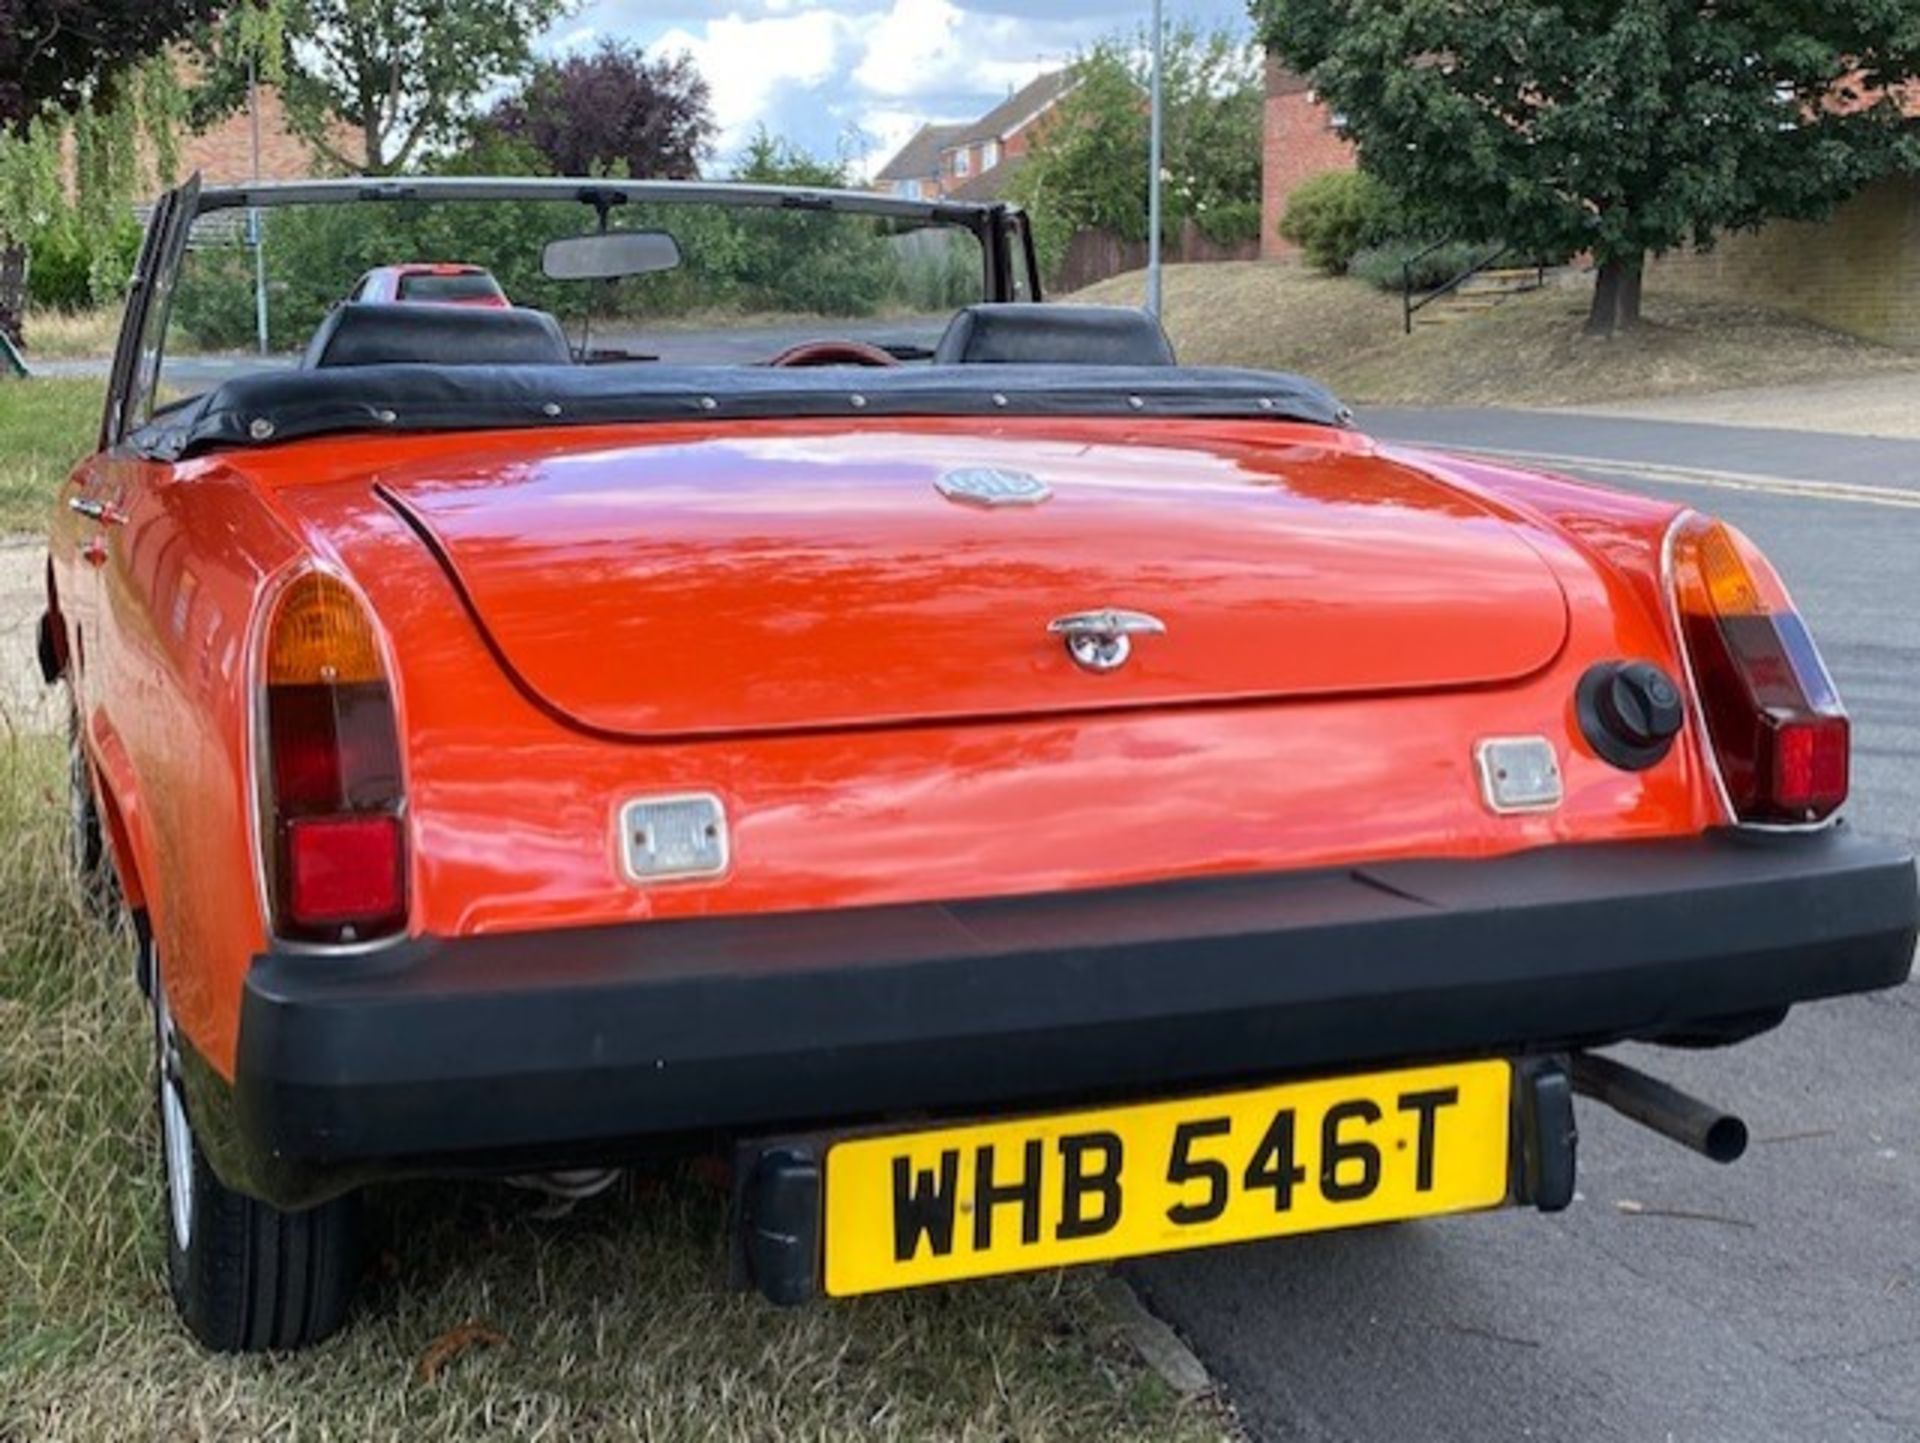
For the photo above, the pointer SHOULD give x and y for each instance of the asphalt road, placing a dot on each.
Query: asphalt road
(1775, 1299)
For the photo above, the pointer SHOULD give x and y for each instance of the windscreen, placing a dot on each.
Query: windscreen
(455, 288)
(752, 281)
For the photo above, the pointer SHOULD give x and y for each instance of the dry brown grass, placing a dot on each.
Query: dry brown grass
(614, 1323)
(1527, 352)
(68, 335)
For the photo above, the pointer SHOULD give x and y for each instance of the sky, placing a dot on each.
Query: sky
(857, 78)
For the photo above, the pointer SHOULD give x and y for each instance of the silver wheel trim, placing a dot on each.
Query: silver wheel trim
(175, 1132)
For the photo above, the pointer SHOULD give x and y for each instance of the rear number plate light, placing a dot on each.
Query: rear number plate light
(662, 838)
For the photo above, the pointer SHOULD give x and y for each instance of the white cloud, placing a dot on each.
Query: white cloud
(748, 62)
(921, 47)
(578, 38)
(907, 47)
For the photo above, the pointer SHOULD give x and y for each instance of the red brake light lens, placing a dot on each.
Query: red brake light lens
(1779, 733)
(333, 803)
(343, 869)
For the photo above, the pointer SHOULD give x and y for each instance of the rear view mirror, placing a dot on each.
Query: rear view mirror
(609, 255)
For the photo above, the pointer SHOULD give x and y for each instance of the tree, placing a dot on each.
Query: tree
(590, 113)
(81, 82)
(403, 75)
(1619, 129)
(1087, 166)
(57, 56)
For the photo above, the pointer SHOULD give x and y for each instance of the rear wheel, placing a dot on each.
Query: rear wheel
(86, 838)
(245, 1276)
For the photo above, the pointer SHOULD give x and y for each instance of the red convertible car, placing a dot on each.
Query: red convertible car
(1029, 801)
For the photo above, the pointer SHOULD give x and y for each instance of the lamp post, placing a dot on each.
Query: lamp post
(1153, 169)
(254, 231)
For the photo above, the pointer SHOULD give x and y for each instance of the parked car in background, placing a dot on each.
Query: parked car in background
(1027, 801)
(437, 283)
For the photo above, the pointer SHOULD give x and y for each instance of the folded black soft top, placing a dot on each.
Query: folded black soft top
(276, 406)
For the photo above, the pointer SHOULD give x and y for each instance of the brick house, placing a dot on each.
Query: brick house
(1300, 138)
(1858, 272)
(974, 160)
(223, 152)
(914, 171)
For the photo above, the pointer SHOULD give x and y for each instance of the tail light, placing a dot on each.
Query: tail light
(1773, 718)
(333, 797)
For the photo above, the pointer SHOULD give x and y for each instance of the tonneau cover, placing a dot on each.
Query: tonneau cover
(276, 406)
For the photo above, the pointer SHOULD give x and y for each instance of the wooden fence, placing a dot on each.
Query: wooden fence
(1093, 255)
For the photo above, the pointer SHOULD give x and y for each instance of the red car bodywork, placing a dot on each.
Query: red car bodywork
(820, 557)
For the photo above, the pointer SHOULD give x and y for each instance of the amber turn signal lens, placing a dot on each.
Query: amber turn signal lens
(1719, 571)
(1779, 734)
(320, 636)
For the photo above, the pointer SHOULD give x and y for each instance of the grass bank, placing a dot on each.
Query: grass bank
(45, 427)
(70, 334)
(1526, 352)
(607, 1324)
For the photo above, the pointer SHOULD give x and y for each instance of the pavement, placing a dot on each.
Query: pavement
(26, 703)
(1887, 405)
(1676, 1300)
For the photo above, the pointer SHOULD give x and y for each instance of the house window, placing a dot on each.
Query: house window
(990, 155)
(960, 161)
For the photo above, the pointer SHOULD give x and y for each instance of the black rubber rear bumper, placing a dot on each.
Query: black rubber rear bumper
(450, 1053)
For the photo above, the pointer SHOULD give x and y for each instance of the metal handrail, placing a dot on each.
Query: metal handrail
(1408, 305)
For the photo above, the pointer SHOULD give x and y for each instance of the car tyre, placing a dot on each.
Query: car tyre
(86, 837)
(246, 1277)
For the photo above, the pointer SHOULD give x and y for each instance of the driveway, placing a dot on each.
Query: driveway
(1775, 1299)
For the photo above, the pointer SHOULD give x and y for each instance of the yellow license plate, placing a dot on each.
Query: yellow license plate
(1081, 1187)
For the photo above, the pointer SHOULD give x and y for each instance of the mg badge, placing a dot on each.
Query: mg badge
(990, 486)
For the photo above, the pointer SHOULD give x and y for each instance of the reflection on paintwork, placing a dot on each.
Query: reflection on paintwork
(811, 581)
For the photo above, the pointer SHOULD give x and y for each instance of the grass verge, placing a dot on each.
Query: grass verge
(69, 335)
(607, 1324)
(45, 427)
(1526, 352)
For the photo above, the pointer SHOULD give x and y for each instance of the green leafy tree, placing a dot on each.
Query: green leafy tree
(402, 75)
(1087, 167)
(1617, 127)
(789, 260)
(60, 56)
(82, 82)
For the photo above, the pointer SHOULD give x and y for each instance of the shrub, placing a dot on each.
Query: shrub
(71, 269)
(1230, 222)
(1334, 215)
(1382, 265)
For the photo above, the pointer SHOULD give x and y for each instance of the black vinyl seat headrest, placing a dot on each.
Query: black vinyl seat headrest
(393, 333)
(1033, 334)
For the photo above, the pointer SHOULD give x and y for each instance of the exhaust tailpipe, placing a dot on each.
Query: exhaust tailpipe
(1664, 1108)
